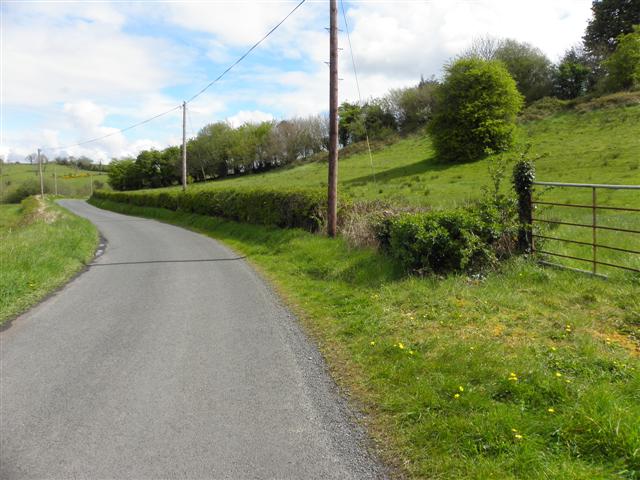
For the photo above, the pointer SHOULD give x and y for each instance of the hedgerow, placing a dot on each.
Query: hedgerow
(285, 208)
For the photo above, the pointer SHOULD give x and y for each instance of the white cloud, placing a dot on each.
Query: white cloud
(82, 71)
(245, 116)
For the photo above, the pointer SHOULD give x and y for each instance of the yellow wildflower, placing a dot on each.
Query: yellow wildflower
(558, 374)
(461, 388)
(457, 395)
(551, 410)
(372, 343)
(400, 345)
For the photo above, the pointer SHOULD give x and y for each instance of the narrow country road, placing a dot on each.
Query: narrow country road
(168, 358)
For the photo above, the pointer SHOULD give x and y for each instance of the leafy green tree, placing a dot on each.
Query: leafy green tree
(611, 18)
(571, 77)
(413, 106)
(529, 67)
(350, 123)
(124, 175)
(476, 110)
(623, 66)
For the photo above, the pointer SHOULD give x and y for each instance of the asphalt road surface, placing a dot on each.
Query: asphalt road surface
(169, 358)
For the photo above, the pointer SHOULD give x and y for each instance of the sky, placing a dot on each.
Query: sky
(72, 71)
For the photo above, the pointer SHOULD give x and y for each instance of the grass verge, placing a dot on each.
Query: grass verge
(41, 247)
(527, 373)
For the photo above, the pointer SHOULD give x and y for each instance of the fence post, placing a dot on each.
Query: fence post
(523, 176)
(593, 214)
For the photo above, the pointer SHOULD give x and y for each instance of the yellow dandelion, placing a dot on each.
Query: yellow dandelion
(461, 388)
(553, 349)
(372, 343)
(400, 345)
(457, 395)
(514, 430)
(551, 410)
(558, 374)
(518, 436)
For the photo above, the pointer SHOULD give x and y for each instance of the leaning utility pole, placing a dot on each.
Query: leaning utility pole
(332, 207)
(184, 146)
(41, 179)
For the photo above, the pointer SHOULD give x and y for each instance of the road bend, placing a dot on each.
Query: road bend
(169, 358)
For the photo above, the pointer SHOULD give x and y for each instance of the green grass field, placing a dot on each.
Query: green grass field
(71, 182)
(530, 373)
(41, 247)
(598, 146)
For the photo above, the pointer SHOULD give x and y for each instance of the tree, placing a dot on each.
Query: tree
(413, 107)
(476, 110)
(529, 67)
(623, 66)
(611, 18)
(350, 123)
(571, 76)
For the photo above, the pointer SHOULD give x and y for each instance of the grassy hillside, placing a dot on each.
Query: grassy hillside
(597, 146)
(41, 247)
(600, 146)
(71, 182)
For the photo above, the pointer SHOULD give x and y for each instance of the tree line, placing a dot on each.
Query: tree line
(606, 60)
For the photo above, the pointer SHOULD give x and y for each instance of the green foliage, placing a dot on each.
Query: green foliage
(285, 208)
(529, 67)
(374, 118)
(611, 18)
(524, 174)
(40, 249)
(25, 189)
(413, 106)
(623, 65)
(477, 106)
(438, 242)
(571, 76)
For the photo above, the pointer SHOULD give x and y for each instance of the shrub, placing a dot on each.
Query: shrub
(438, 242)
(291, 208)
(24, 190)
(476, 110)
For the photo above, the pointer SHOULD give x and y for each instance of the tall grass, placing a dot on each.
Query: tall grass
(41, 247)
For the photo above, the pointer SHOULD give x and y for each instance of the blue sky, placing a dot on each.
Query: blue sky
(77, 70)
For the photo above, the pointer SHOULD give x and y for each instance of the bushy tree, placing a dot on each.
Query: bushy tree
(572, 74)
(124, 175)
(476, 110)
(413, 107)
(611, 18)
(529, 67)
(623, 66)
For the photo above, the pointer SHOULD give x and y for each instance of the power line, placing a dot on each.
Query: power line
(115, 132)
(355, 72)
(84, 142)
(247, 52)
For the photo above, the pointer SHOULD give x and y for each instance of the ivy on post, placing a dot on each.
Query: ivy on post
(524, 173)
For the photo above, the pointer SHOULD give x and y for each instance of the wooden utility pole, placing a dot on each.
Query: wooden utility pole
(332, 207)
(41, 178)
(55, 178)
(184, 146)
(90, 184)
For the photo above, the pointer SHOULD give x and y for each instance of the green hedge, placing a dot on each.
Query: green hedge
(439, 242)
(285, 208)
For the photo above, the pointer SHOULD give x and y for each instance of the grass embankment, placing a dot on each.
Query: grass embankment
(41, 247)
(72, 182)
(529, 373)
(586, 146)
